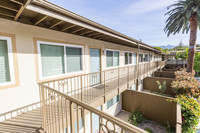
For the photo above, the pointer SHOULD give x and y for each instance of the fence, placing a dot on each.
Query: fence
(153, 107)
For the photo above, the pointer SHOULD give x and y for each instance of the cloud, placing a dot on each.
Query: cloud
(145, 6)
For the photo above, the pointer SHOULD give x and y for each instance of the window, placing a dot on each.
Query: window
(146, 58)
(52, 58)
(128, 58)
(134, 59)
(60, 59)
(151, 57)
(6, 62)
(141, 58)
(74, 59)
(112, 101)
(112, 58)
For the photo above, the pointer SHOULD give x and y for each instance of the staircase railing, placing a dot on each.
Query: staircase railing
(63, 114)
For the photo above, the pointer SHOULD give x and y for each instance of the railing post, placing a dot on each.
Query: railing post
(71, 105)
(43, 107)
(104, 83)
(118, 76)
(81, 89)
(128, 78)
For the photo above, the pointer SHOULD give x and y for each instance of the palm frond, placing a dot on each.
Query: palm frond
(180, 14)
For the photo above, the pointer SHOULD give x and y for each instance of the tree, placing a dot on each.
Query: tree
(185, 17)
(197, 63)
(165, 51)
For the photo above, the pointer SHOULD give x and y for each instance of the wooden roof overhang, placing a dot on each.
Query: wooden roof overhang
(48, 15)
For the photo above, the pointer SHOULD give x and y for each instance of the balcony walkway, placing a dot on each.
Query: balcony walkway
(30, 121)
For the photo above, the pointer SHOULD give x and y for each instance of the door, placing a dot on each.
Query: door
(95, 66)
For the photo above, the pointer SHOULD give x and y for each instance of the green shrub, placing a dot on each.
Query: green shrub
(148, 130)
(136, 117)
(190, 110)
(169, 129)
(162, 87)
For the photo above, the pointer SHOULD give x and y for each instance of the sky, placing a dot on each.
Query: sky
(139, 19)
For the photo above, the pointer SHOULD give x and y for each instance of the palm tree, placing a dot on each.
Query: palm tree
(185, 17)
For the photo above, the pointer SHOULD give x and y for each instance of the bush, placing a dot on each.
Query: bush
(162, 87)
(136, 117)
(190, 110)
(186, 83)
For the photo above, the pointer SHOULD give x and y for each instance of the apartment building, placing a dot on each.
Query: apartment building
(41, 43)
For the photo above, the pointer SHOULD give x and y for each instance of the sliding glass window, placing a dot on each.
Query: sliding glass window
(128, 58)
(4, 62)
(112, 58)
(7, 75)
(112, 101)
(59, 59)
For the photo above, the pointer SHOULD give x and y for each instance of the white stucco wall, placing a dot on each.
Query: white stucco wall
(27, 92)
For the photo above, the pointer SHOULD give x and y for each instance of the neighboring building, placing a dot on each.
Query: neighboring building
(41, 42)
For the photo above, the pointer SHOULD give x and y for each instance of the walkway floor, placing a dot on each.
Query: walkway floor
(29, 122)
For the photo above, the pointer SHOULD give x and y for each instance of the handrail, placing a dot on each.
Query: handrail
(21, 109)
(84, 86)
(74, 90)
(115, 121)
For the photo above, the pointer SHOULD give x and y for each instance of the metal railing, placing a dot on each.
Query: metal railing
(177, 62)
(88, 87)
(63, 113)
(19, 111)
(63, 101)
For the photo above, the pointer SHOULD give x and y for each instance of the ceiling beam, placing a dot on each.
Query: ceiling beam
(75, 22)
(92, 34)
(67, 26)
(39, 18)
(55, 23)
(7, 13)
(9, 5)
(76, 29)
(20, 2)
(102, 35)
(25, 4)
(86, 31)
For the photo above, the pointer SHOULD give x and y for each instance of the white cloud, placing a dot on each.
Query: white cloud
(144, 6)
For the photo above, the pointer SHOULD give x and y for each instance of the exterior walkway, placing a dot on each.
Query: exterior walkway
(29, 122)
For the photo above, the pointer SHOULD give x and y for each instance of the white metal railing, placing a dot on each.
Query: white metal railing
(87, 87)
(62, 113)
(64, 100)
(19, 111)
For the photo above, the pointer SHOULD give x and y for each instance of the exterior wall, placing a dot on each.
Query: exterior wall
(151, 85)
(152, 106)
(26, 36)
(115, 109)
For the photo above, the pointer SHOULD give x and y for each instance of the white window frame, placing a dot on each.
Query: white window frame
(128, 58)
(65, 63)
(10, 60)
(113, 60)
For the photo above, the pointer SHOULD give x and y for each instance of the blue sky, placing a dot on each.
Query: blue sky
(140, 19)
